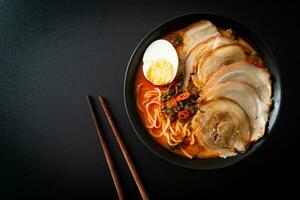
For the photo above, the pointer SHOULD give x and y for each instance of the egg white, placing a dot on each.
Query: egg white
(160, 50)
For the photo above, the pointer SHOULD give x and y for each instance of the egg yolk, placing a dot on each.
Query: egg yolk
(160, 72)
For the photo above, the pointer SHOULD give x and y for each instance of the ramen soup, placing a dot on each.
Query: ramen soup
(203, 92)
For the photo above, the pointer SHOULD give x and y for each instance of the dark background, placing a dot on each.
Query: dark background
(53, 53)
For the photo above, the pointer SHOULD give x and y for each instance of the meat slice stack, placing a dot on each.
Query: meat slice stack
(235, 95)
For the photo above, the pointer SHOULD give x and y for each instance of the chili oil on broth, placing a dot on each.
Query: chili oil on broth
(149, 96)
(184, 148)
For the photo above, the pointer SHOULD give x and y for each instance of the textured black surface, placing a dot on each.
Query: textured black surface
(52, 53)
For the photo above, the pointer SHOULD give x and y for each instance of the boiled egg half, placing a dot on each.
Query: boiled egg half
(160, 62)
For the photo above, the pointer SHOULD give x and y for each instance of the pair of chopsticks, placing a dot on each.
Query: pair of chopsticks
(124, 151)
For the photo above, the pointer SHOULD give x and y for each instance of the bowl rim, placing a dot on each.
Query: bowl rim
(252, 149)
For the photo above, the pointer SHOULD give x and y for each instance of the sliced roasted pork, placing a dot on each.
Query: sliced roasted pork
(217, 58)
(247, 98)
(246, 72)
(197, 54)
(224, 127)
(197, 33)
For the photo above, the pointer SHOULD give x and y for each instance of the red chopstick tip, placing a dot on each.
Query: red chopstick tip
(101, 98)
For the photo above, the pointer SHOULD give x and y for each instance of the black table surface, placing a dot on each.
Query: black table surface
(53, 53)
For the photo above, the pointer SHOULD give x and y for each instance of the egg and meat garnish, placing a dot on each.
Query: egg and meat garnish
(203, 92)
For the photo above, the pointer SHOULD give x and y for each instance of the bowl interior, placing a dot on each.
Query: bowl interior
(129, 89)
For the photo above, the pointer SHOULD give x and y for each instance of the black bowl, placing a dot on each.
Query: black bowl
(129, 89)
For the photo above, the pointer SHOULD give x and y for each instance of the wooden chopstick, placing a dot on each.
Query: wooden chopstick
(124, 150)
(107, 155)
